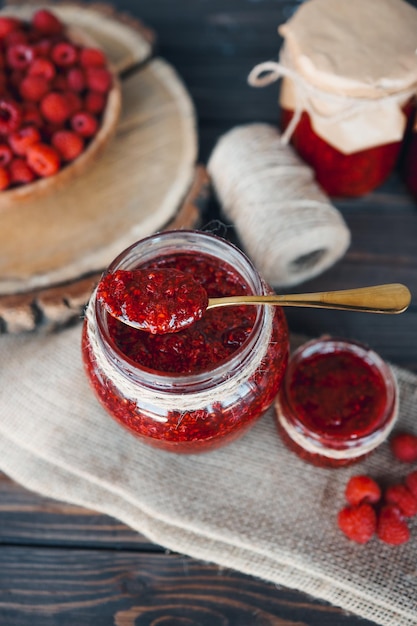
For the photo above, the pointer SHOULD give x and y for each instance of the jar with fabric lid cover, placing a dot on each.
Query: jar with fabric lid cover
(349, 71)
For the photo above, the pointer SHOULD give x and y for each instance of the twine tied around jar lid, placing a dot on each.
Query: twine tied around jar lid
(328, 110)
(284, 221)
(350, 72)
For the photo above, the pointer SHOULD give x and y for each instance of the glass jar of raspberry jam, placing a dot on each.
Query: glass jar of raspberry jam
(340, 174)
(338, 402)
(349, 73)
(199, 388)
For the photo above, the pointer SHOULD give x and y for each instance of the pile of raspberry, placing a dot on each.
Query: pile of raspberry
(382, 512)
(52, 96)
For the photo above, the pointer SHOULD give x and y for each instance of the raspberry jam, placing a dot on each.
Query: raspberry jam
(200, 387)
(157, 301)
(338, 402)
(344, 175)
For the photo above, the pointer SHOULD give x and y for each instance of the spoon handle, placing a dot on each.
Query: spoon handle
(391, 298)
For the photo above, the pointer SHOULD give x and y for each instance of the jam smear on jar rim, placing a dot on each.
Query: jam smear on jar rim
(157, 301)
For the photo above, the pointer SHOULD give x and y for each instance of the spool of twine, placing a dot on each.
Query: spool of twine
(285, 222)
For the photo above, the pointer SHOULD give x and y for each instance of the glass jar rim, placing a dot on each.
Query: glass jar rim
(225, 368)
(328, 345)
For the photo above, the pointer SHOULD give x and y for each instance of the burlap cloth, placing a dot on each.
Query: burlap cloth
(252, 506)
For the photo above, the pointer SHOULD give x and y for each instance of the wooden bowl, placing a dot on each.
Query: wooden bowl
(11, 198)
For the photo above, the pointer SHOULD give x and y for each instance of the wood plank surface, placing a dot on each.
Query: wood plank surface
(65, 565)
(124, 588)
(62, 565)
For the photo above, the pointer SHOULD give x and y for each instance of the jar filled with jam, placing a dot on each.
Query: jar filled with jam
(349, 72)
(338, 402)
(201, 387)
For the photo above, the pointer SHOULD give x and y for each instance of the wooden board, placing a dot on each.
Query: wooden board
(53, 247)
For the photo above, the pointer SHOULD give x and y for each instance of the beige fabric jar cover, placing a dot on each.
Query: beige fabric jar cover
(351, 65)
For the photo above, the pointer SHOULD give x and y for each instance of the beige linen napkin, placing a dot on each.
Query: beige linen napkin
(252, 506)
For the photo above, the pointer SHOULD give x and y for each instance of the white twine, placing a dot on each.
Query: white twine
(309, 445)
(306, 94)
(284, 220)
(153, 399)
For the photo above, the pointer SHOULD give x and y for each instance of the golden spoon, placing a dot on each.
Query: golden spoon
(166, 300)
(391, 298)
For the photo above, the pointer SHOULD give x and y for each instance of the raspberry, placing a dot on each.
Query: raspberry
(84, 124)
(64, 54)
(15, 38)
(20, 172)
(8, 25)
(98, 79)
(391, 528)
(92, 57)
(362, 488)
(46, 22)
(10, 115)
(68, 144)
(358, 523)
(23, 138)
(34, 88)
(74, 102)
(402, 497)
(404, 447)
(76, 79)
(42, 67)
(4, 178)
(43, 159)
(43, 48)
(31, 114)
(95, 102)
(54, 108)
(411, 482)
(19, 56)
(6, 155)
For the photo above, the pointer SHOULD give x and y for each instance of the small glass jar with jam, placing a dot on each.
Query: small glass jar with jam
(337, 403)
(349, 72)
(201, 387)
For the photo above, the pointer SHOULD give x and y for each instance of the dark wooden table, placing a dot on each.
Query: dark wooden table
(64, 565)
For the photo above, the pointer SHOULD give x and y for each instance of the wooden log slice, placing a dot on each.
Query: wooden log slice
(53, 248)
